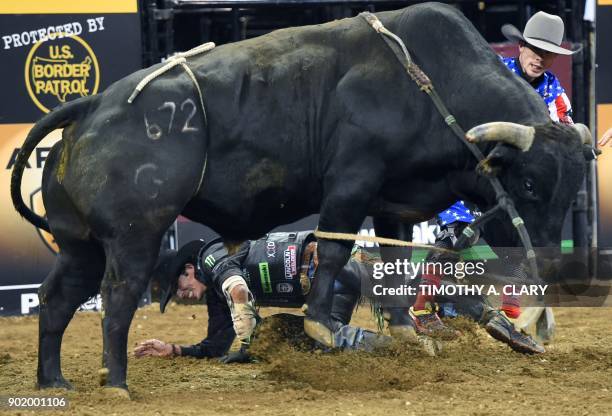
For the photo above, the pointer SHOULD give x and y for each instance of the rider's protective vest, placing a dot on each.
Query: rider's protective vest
(272, 268)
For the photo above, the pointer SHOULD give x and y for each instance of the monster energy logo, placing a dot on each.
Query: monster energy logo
(264, 276)
(210, 261)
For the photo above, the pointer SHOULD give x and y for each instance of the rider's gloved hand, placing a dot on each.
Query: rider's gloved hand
(241, 356)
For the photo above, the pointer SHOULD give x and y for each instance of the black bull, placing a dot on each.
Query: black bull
(303, 120)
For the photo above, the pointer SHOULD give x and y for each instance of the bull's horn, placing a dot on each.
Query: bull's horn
(512, 133)
(585, 133)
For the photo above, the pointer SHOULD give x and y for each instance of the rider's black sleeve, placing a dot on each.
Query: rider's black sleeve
(220, 331)
(230, 266)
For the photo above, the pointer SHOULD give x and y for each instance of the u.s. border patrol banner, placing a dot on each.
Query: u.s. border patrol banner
(50, 52)
(603, 85)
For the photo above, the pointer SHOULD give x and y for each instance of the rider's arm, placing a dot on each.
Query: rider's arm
(228, 275)
(220, 331)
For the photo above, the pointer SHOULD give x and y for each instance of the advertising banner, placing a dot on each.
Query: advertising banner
(50, 53)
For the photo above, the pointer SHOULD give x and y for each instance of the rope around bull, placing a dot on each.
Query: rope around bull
(380, 240)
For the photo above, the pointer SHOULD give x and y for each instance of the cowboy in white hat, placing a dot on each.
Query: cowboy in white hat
(539, 46)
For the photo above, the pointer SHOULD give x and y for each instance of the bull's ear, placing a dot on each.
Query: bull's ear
(501, 156)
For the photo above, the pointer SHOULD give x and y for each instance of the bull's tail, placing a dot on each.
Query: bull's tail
(56, 119)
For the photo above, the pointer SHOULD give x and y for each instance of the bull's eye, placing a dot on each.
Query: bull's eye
(529, 186)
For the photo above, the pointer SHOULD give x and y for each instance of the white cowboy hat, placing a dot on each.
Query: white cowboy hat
(543, 30)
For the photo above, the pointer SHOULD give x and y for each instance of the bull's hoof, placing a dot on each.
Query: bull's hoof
(319, 332)
(407, 333)
(545, 326)
(432, 347)
(118, 390)
(57, 383)
(529, 318)
(116, 393)
(359, 339)
(103, 376)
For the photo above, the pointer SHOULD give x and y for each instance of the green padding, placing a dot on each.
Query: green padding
(472, 253)
(567, 246)
(484, 252)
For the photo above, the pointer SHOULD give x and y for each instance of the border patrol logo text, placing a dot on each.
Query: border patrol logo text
(61, 70)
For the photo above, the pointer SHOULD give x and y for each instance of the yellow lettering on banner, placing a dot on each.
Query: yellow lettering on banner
(61, 88)
(39, 86)
(61, 70)
(59, 76)
(67, 6)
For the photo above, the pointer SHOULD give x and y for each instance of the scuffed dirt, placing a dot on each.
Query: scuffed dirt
(474, 376)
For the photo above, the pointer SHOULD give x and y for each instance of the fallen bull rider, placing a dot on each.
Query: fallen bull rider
(273, 271)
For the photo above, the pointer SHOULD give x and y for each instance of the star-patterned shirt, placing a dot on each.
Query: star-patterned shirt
(560, 109)
(550, 89)
(458, 212)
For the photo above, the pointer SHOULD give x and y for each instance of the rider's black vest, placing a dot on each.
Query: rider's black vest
(272, 268)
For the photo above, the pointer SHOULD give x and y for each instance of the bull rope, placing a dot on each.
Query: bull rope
(380, 240)
(175, 60)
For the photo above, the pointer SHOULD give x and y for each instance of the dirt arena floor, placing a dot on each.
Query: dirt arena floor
(474, 376)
